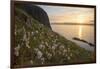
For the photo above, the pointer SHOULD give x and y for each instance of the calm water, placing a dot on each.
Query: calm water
(85, 32)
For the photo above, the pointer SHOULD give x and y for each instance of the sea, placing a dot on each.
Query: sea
(85, 32)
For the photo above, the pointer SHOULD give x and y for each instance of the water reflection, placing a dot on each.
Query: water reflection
(80, 31)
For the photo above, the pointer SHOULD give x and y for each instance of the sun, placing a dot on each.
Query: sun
(81, 19)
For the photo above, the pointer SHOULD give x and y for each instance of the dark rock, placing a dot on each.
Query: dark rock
(36, 12)
(78, 39)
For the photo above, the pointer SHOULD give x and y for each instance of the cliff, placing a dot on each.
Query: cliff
(36, 12)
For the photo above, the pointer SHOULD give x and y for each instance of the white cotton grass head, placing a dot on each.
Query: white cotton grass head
(36, 31)
(65, 50)
(68, 49)
(71, 54)
(17, 50)
(32, 33)
(46, 43)
(24, 37)
(39, 54)
(27, 45)
(16, 53)
(31, 61)
(15, 33)
(53, 47)
(49, 54)
(36, 49)
(42, 60)
(61, 47)
(68, 58)
(41, 46)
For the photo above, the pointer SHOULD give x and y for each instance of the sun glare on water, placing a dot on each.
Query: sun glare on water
(80, 19)
(80, 32)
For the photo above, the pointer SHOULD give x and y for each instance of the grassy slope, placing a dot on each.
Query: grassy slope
(38, 45)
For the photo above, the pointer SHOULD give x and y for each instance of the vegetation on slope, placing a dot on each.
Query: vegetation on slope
(36, 44)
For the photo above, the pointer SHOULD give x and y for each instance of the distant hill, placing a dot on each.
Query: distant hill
(36, 44)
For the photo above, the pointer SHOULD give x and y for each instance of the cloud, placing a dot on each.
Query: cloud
(68, 14)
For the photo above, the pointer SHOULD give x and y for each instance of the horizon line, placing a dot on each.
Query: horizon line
(71, 24)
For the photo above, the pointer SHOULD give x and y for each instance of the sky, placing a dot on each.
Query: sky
(66, 14)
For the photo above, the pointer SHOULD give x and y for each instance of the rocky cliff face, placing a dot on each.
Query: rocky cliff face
(36, 12)
(36, 44)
